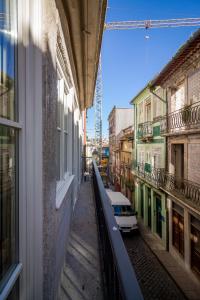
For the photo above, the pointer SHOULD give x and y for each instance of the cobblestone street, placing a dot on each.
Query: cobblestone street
(154, 281)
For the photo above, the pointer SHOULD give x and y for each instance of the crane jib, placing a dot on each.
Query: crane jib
(152, 24)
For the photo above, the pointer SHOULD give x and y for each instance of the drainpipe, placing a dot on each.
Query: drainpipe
(152, 91)
(164, 101)
(135, 132)
(166, 168)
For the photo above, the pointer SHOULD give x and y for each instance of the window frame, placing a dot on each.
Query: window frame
(176, 102)
(191, 85)
(147, 110)
(66, 176)
(12, 275)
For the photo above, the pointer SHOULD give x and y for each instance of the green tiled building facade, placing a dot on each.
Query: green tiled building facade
(149, 164)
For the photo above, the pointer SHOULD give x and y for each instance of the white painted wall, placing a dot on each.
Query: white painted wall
(124, 119)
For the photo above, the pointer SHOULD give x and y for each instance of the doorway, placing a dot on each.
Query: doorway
(179, 163)
(142, 200)
(158, 215)
(178, 231)
(149, 206)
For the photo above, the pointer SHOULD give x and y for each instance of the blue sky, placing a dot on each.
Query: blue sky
(129, 60)
(6, 45)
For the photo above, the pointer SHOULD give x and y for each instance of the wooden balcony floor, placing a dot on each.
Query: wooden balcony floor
(81, 276)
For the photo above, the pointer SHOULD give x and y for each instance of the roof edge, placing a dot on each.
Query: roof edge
(147, 86)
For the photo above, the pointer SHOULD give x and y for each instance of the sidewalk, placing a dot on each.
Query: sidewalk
(189, 287)
(81, 276)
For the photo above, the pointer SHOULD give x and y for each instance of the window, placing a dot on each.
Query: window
(60, 86)
(195, 244)
(140, 113)
(148, 111)
(65, 133)
(141, 156)
(157, 103)
(156, 157)
(178, 98)
(148, 156)
(9, 127)
(123, 210)
(7, 60)
(62, 130)
(77, 148)
(194, 87)
(73, 139)
(8, 199)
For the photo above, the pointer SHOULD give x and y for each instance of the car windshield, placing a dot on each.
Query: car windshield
(123, 210)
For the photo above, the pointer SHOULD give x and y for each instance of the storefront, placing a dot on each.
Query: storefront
(142, 200)
(178, 228)
(151, 205)
(195, 245)
(184, 235)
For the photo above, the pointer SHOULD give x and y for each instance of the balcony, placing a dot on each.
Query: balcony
(114, 277)
(145, 131)
(153, 175)
(187, 118)
(188, 190)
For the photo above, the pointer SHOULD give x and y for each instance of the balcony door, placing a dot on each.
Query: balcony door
(178, 97)
(148, 111)
(179, 163)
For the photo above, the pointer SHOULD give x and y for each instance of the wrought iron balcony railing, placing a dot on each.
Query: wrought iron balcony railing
(125, 165)
(151, 174)
(161, 179)
(188, 189)
(163, 125)
(120, 281)
(145, 130)
(185, 118)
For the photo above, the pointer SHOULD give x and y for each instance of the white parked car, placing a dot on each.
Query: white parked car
(123, 211)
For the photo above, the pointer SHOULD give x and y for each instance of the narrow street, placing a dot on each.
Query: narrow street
(154, 280)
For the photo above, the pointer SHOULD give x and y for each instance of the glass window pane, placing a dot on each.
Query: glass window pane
(65, 114)
(58, 155)
(65, 152)
(8, 29)
(73, 142)
(59, 105)
(8, 201)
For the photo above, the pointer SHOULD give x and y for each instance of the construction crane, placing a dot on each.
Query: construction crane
(98, 111)
(146, 24)
(128, 25)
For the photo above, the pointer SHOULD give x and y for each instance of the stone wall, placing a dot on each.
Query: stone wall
(194, 161)
(180, 76)
(56, 222)
(191, 155)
